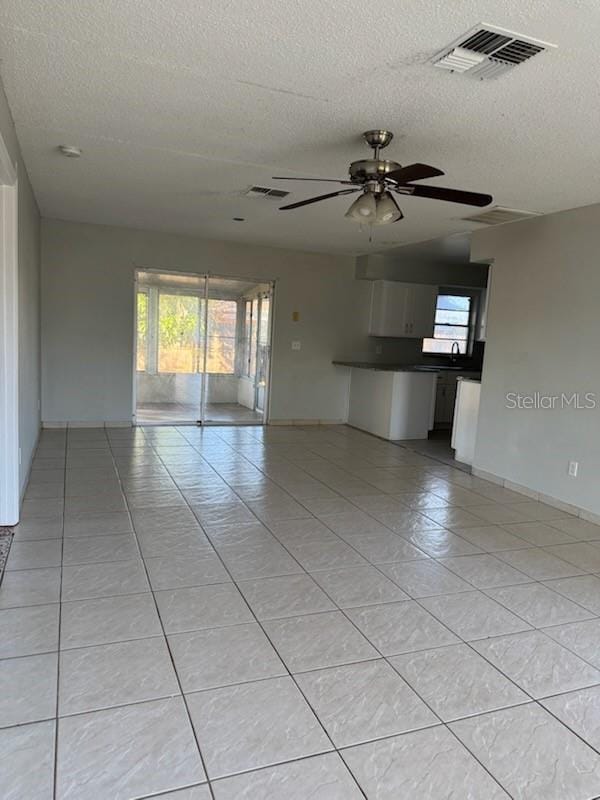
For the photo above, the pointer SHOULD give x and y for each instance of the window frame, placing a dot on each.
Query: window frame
(474, 299)
(142, 290)
(153, 338)
(234, 337)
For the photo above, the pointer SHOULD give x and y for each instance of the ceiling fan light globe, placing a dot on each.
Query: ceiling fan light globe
(363, 209)
(387, 210)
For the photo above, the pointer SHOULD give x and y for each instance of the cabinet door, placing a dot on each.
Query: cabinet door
(421, 314)
(440, 416)
(389, 309)
(445, 399)
(451, 400)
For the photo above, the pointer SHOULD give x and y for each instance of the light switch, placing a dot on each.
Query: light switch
(296, 345)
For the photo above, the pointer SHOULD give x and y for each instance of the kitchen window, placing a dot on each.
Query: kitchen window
(452, 325)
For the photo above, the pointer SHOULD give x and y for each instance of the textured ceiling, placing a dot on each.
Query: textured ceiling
(179, 106)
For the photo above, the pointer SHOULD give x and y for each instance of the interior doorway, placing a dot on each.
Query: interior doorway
(202, 349)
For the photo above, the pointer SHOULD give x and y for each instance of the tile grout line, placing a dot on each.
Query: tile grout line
(56, 731)
(383, 658)
(436, 560)
(533, 581)
(416, 600)
(386, 659)
(290, 675)
(166, 641)
(462, 640)
(442, 723)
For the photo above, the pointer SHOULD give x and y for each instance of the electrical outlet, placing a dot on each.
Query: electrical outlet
(296, 345)
(573, 468)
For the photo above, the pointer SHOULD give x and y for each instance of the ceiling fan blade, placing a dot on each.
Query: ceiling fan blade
(449, 195)
(414, 172)
(318, 199)
(322, 180)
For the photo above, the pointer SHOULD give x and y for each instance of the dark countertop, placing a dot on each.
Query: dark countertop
(407, 367)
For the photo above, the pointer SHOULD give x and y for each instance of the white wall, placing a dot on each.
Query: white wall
(411, 269)
(87, 318)
(245, 392)
(29, 299)
(543, 336)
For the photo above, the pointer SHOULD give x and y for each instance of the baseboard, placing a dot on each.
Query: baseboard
(517, 487)
(306, 422)
(50, 425)
(23, 487)
(487, 476)
(589, 516)
(532, 494)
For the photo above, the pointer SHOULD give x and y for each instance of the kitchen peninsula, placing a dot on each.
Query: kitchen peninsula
(392, 401)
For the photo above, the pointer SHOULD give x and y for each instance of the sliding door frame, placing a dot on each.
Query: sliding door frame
(206, 276)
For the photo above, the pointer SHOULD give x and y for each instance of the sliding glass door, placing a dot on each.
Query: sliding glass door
(202, 349)
(234, 368)
(263, 350)
(170, 344)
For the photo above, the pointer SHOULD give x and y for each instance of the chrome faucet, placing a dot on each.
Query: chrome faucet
(454, 353)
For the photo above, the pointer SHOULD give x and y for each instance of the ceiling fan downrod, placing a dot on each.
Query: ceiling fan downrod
(377, 139)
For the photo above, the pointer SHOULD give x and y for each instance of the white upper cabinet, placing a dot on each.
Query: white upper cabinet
(402, 309)
(388, 309)
(421, 310)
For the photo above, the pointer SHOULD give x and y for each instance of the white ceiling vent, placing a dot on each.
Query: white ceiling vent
(265, 191)
(487, 51)
(498, 215)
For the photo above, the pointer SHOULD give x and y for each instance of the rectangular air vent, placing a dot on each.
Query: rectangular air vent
(499, 215)
(265, 191)
(487, 51)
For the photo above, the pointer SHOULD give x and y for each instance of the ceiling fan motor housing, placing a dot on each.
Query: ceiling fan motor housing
(371, 169)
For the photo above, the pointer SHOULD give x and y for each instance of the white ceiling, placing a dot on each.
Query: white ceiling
(180, 105)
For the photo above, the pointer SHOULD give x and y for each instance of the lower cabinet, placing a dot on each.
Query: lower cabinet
(445, 397)
(393, 405)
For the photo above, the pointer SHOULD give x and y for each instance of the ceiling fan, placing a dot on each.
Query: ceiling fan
(377, 178)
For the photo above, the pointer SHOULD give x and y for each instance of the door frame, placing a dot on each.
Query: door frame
(10, 495)
(206, 276)
(261, 298)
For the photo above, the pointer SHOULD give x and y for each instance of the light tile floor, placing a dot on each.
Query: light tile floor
(284, 613)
